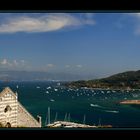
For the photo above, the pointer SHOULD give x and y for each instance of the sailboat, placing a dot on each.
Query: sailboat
(99, 124)
(66, 123)
(55, 117)
(17, 86)
(84, 120)
(69, 117)
(103, 126)
(47, 121)
(48, 117)
(58, 84)
(65, 119)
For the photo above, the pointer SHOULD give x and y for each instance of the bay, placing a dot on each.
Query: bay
(99, 106)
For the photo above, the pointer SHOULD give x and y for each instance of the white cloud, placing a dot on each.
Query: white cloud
(12, 64)
(79, 66)
(43, 23)
(4, 62)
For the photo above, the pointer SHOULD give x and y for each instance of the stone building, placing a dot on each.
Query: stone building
(13, 114)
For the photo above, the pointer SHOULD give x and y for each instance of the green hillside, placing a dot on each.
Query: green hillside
(125, 80)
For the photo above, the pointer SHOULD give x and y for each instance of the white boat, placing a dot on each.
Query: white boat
(102, 92)
(55, 89)
(108, 91)
(52, 100)
(58, 84)
(49, 87)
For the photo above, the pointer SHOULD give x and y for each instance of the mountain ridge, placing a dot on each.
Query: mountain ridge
(39, 76)
(124, 80)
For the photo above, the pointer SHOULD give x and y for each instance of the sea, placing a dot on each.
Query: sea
(80, 105)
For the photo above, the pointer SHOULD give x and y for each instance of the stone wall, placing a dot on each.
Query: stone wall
(12, 113)
(8, 108)
(25, 119)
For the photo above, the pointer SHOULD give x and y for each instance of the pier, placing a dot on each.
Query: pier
(65, 124)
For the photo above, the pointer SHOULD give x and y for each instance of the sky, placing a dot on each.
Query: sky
(96, 44)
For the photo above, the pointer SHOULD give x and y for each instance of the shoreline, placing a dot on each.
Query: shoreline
(65, 124)
(130, 102)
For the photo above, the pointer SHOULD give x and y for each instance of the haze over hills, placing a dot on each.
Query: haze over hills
(125, 80)
(39, 76)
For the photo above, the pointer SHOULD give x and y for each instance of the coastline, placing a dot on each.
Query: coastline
(130, 102)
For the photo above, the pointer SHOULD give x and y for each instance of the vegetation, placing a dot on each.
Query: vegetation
(125, 80)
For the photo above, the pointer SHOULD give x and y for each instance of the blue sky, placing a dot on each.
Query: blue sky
(99, 44)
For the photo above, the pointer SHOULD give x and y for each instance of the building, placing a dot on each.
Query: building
(13, 114)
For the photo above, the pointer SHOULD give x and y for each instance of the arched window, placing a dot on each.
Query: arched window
(8, 124)
(8, 108)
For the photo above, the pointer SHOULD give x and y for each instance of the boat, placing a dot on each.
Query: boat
(84, 120)
(58, 84)
(47, 91)
(65, 118)
(52, 100)
(69, 117)
(103, 126)
(55, 117)
(48, 115)
(67, 124)
(55, 89)
(49, 87)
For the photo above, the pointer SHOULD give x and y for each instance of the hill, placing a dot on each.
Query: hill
(125, 80)
(38, 76)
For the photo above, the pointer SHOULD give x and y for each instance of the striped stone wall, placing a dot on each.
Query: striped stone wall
(8, 116)
(12, 113)
(25, 119)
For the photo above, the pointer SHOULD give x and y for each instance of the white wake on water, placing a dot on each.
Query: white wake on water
(112, 111)
(98, 106)
(95, 105)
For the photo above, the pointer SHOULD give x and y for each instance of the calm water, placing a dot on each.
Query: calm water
(98, 106)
